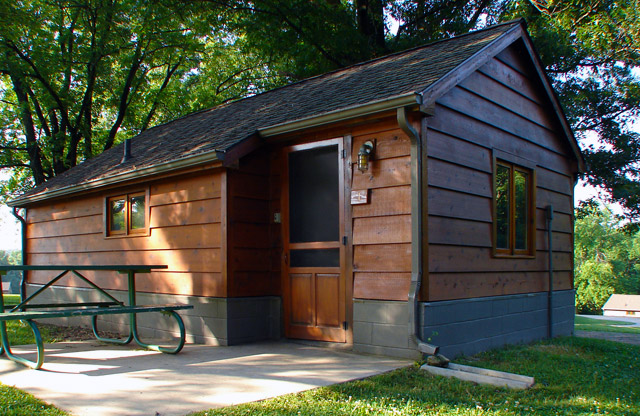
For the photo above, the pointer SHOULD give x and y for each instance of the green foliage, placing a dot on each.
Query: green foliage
(590, 49)
(607, 259)
(78, 76)
(573, 377)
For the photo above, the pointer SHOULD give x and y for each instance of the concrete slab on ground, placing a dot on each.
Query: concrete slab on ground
(94, 378)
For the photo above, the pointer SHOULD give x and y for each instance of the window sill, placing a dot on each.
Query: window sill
(513, 256)
(145, 234)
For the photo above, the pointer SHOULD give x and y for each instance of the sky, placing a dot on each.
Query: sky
(9, 230)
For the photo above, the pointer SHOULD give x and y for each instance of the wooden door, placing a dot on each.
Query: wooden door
(314, 255)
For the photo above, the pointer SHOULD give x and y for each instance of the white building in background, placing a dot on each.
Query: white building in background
(622, 305)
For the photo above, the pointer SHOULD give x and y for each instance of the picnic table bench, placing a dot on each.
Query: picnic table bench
(27, 311)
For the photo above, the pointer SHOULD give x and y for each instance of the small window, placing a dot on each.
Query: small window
(513, 210)
(127, 214)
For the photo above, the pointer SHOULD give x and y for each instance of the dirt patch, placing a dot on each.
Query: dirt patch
(633, 339)
(73, 333)
(553, 349)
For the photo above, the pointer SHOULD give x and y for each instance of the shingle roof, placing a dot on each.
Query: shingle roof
(623, 303)
(219, 128)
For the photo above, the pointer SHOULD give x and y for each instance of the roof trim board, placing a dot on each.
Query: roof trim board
(469, 66)
(343, 114)
(168, 167)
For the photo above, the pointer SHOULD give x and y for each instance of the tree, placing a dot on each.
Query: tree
(589, 48)
(607, 258)
(79, 75)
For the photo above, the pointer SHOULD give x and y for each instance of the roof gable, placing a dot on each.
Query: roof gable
(415, 76)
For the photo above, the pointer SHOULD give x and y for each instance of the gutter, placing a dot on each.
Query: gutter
(342, 114)
(549, 212)
(23, 281)
(417, 266)
(212, 156)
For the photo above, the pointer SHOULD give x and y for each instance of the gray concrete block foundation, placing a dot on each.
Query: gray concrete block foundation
(465, 327)
(382, 328)
(212, 321)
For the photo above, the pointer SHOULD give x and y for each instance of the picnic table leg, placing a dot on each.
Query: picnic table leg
(133, 324)
(6, 347)
(94, 327)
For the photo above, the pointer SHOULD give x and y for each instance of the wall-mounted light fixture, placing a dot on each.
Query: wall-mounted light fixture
(365, 154)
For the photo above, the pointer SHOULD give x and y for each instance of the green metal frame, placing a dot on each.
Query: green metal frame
(93, 309)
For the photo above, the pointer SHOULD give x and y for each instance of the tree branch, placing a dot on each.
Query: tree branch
(124, 102)
(156, 101)
(35, 162)
(15, 165)
(12, 148)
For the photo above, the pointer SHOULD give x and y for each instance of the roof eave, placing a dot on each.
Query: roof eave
(162, 168)
(218, 155)
(342, 114)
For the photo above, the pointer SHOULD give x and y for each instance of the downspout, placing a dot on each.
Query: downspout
(417, 266)
(23, 281)
(549, 216)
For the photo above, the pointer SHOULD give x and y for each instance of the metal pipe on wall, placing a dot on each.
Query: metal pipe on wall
(417, 266)
(23, 281)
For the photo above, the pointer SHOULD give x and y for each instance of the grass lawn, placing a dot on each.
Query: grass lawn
(574, 376)
(601, 325)
(10, 300)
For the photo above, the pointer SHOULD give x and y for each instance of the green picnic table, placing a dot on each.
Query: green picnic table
(27, 310)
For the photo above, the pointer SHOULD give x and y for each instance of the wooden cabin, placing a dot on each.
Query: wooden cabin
(395, 206)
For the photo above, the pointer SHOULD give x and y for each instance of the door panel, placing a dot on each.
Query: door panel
(313, 224)
(302, 298)
(327, 294)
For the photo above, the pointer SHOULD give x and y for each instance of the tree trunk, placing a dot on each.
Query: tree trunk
(35, 163)
(370, 19)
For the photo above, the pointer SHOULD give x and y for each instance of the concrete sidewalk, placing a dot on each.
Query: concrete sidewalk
(93, 378)
(633, 320)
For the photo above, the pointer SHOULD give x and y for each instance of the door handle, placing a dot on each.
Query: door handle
(286, 259)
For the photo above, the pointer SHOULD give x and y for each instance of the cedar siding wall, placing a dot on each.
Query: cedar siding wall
(185, 233)
(382, 228)
(253, 269)
(497, 107)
